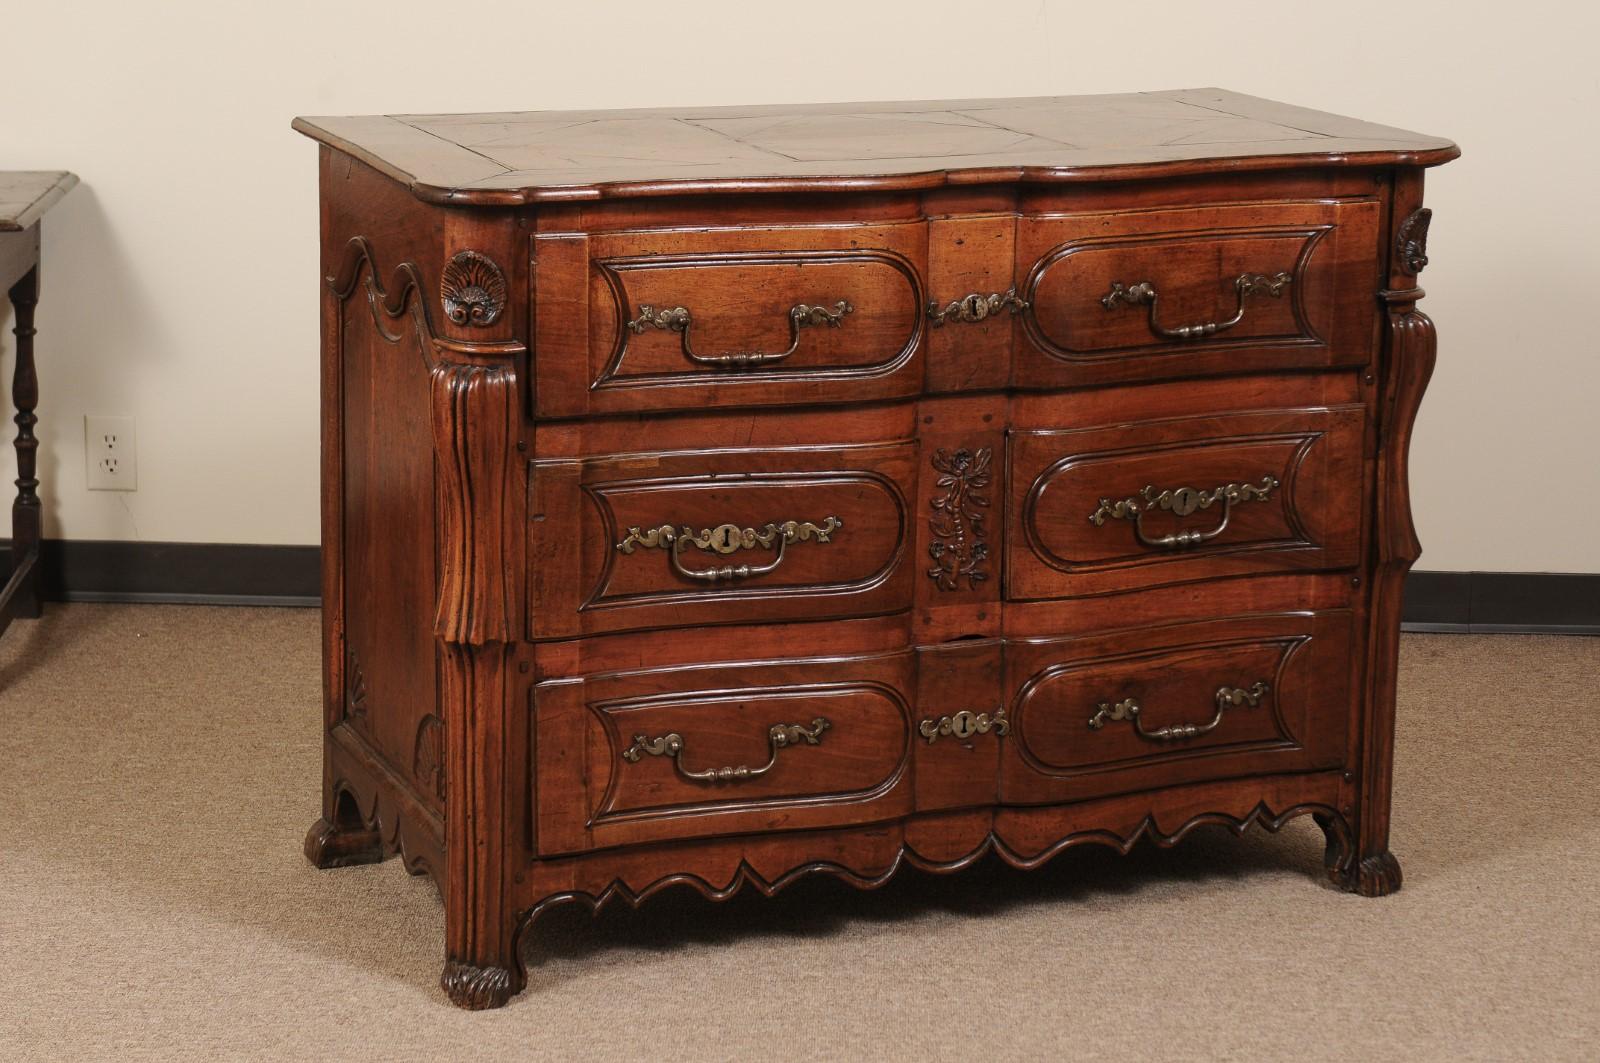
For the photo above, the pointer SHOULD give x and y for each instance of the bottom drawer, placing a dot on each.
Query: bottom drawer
(691, 752)
(1185, 703)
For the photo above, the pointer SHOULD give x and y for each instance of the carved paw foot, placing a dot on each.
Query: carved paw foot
(329, 845)
(478, 988)
(1374, 876)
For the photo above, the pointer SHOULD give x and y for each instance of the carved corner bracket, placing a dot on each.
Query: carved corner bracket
(959, 548)
(1411, 242)
(1411, 353)
(474, 423)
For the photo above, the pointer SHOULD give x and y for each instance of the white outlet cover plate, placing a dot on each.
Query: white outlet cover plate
(110, 448)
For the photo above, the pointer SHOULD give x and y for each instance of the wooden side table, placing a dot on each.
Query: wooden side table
(25, 196)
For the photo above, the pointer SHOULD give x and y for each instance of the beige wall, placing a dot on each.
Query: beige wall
(181, 284)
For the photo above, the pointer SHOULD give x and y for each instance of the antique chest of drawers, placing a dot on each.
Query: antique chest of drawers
(714, 496)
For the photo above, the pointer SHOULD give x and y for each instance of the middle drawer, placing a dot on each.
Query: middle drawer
(685, 538)
(1174, 500)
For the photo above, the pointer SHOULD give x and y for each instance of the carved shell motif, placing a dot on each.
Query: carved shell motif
(355, 692)
(473, 289)
(427, 762)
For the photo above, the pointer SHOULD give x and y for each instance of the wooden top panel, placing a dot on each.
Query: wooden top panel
(26, 194)
(531, 156)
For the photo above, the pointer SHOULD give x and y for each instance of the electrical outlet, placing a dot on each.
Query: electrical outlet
(109, 446)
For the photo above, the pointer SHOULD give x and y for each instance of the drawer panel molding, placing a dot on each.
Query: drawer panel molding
(706, 751)
(1177, 703)
(834, 287)
(1064, 711)
(1197, 291)
(1101, 510)
(686, 319)
(859, 731)
(674, 539)
(874, 493)
(1273, 259)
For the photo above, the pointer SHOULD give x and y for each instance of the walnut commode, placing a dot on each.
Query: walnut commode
(716, 496)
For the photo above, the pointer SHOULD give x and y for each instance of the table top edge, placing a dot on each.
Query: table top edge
(52, 185)
(440, 171)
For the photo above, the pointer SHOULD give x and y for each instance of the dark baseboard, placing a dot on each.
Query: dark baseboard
(229, 574)
(1560, 603)
(80, 570)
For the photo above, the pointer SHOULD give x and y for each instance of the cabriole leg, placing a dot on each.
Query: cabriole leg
(1410, 350)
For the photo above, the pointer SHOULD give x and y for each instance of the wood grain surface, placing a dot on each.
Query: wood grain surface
(534, 156)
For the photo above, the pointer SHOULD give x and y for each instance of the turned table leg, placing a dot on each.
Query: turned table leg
(25, 511)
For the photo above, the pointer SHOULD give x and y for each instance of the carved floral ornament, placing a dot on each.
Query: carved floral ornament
(959, 549)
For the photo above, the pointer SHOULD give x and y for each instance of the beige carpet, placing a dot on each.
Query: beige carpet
(159, 765)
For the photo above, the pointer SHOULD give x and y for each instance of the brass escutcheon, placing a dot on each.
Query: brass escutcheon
(964, 724)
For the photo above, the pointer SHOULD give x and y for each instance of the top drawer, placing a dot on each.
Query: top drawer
(661, 320)
(1155, 294)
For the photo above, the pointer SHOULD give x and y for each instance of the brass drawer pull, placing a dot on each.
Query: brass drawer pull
(1144, 293)
(1181, 501)
(725, 539)
(976, 306)
(779, 735)
(801, 316)
(1129, 709)
(965, 724)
